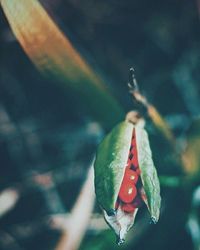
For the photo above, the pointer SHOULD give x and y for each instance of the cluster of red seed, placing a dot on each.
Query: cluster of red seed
(129, 198)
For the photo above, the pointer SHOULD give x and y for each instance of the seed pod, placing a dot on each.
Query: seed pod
(124, 151)
(111, 159)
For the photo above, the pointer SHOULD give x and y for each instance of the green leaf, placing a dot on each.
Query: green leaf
(56, 58)
(149, 175)
(110, 164)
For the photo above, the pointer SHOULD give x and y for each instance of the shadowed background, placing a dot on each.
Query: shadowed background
(49, 132)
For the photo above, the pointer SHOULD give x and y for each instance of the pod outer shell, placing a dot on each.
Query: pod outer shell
(110, 163)
(149, 175)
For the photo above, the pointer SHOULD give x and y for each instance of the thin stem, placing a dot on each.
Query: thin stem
(80, 216)
(153, 113)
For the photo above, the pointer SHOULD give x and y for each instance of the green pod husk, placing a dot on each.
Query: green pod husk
(148, 175)
(110, 163)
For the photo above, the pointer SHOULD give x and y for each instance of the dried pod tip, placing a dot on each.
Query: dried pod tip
(120, 241)
(153, 220)
(133, 117)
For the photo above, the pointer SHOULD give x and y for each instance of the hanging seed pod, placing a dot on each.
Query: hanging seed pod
(125, 177)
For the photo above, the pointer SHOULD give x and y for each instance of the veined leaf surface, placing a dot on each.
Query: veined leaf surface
(149, 175)
(110, 164)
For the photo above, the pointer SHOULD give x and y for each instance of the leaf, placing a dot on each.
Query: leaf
(110, 162)
(149, 175)
(55, 57)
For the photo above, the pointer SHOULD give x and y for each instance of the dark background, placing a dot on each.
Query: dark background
(41, 135)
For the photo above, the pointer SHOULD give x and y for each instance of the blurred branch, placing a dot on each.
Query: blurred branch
(8, 199)
(80, 215)
(191, 152)
(62, 221)
(155, 116)
(7, 241)
(55, 57)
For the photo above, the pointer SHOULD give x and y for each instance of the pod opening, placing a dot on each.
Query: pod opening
(129, 197)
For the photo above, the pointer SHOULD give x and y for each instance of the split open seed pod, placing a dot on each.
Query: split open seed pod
(125, 147)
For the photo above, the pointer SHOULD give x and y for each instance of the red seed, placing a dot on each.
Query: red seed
(127, 192)
(129, 200)
(128, 207)
(130, 175)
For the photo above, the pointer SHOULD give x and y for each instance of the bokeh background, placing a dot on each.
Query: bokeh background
(48, 137)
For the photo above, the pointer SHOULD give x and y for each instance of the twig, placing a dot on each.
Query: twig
(62, 221)
(155, 116)
(8, 199)
(81, 212)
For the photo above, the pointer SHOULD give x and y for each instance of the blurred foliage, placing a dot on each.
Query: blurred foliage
(191, 156)
(58, 59)
(47, 137)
